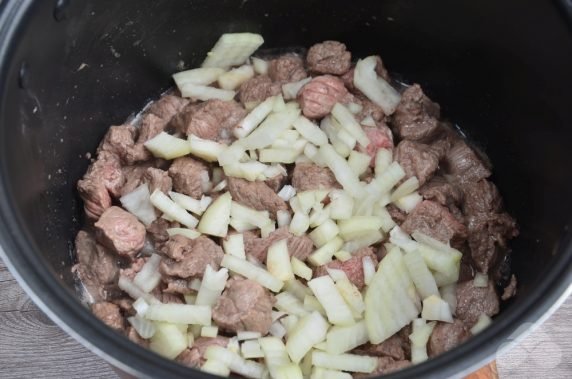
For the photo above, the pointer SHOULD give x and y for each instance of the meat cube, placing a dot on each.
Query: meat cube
(417, 159)
(462, 162)
(157, 179)
(329, 57)
(190, 358)
(157, 231)
(435, 221)
(257, 89)
(120, 231)
(473, 301)
(438, 189)
(151, 126)
(212, 119)
(510, 290)
(379, 138)
(167, 106)
(416, 117)
(194, 357)
(353, 267)
(103, 178)
(97, 268)
(189, 176)
(190, 257)
(481, 197)
(244, 305)
(298, 246)
(287, 68)
(277, 182)
(133, 175)
(489, 234)
(318, 97)
(396, 214)
(308, 177)
(136, 338)
(446, 336)
(110, 314)
(120, 140)
(134, 268)
(391, 347)
(177, 286)
(256, 195)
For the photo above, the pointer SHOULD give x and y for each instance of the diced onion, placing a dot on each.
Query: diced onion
(341, 205)
(313, 305)
(419, 272)
(399, 238)
(149, 276)
(341, 339)
(383, 159)
(189, 233)
(336, 274)
(205, 149)
(319, 215)
(134, 291)
(287, 192)
(323, 373)
(374, 87)
(342, 171)
(359, 162)
(249, 215)
(405, 188)
(187, 202)
(482, 323)
(232, 79)
(168, 340)
(209, 331)
(385, 181)
(234, 245)
(275, 354)
(216, 218)
(260, 66)
(368, 269)
(352, 296)
(278, 155)
(301, 269)
(449, 294)
(235, 362)
(310, 131)
(347, 120)
(212, 366)
(286, 302)
(166, 146)
(212, 285)
(408, 203)
(246, 335)
(278, 261)
(324, 233)
(310, 330)
(435, 308)
(345, 362)
(364, 241)
(140, 306)
(387, 222)
(172, 209)
(277, 330)
(325, 253)
(270, 129)
(358, 226)
(299, 224)
(290, 90)
(200, 76)
(145, 328)
(180, 313)
(342, 255)
(480, 280)
(232, 49)
(137, 203)
(251, 349)
(419, 338)
(205, 93)
(296, 288)
(254, 118)
(250, 271)
(355, 108)
(337, 310)
(368, 121)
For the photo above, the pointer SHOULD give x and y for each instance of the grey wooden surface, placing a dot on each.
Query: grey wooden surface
(31, 346)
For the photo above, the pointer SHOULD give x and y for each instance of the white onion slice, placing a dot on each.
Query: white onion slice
(168, 147)
(212, 285)
(310, 330)
(345, 362)
(145, 328)
(232, 79)
(233, 49)
(290, 90)
(216, 218)
(435, 308)
(328, 295)
(254, 118)
(235, 362)
(200, 76)
(172, 209)
(137, 203)
(341, 339)
(374, 87)
(149, 276)
(251, 271)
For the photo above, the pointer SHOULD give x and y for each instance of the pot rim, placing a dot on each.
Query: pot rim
(20, 255)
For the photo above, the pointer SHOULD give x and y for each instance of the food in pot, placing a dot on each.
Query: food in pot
(292, 216)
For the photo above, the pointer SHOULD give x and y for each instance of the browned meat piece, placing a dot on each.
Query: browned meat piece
(473, 301)
(446, 336)
(256, 195)
(193, 357)
(133, 176)
(276, 182)
(318, 97)
(510, 290)
(299, 247)
(188, 174)
(189, 258)
(462, 162)
(120, 231)
(416, 117)
(441, 191)
(134, 268)
(108, 313)
(417, 159)
(157, 232)
(169, 298)
(287, 68)
(177, 286)
(353, 267)
(379, 138)
(435, 221)
(167, 106)
(308, 177)
(481, 197)
(120, 140)
(396, 214)
(244, 305)
(135, 337)
(257, 89)
(488, 236)
(329, 57)
(103, 177)
(212, 119)
(97, 268)
(151, 126)
(391, 347)
(139, 174)
(157, 179)
(388, 365)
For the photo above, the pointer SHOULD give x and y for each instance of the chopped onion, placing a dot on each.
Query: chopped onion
(420, 274)
(187, 202)
(283, 218)
(342, 171)
(190, 298)
(435, 308)
(220, 186)
(374, 87)
(383, 159)
(344, 362)
(260, 66)
(301, 269)
(323, 373)
(368, 121)
(137, 203)
(189, 233)
(212, 285)
(205, 93)
(251, 349)
(212, 366)
(337, 310)
(299, 224)
(145, 328)
(387, 222)
(341, 205)
(355, 108)
(325, 253)
(232, 154)
(419, 338)
(290, 90)
(341, 339)
(352, 296)
(180, 313)
(134, 291)
(287, 192)
(200, 76)
(358, 226)
(449, 294)
(278, 155)
(279, 104)
(347, 120)
(270, 129)
(172, 209)
(234, 245)
(364, 241)
(235, 362)
(241, 226)
(250, 271)
(286, 302)
(385, 181)
(409, 202)
(140, 306)
(483, 322)
(232, 79)
(306, 200)
(216, 218)
(310, 131)
(278, 261)
(233, 345)
(399, 238)
(249, 215)
(336, 274)
(254, 118)
(251, 170)
(480, 280)
(359, 162)
(390, 298)
(275, 354)
(195, 284)
(447, 263)
(319, 215)
(209, 331)
(368, 269)
(409, 186)
(431, 242)
(232, 49)
(342, 255)
(311, 329)
(324, 233)
(169, 340)
(205, 149)
(296, 288)
(289, 371)
(277, 315)
(149, 276)
(168, 147)
(313, 305)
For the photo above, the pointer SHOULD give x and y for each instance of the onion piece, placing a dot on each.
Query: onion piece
(251, 170)
(359, 162)
(283, 218)
(301, 269)
(232, 79)
(251, 349)
(250, 271)
(341, 205)
(205, 149)
(374, 87)
(347, 120)
(235, 362)
(187, 202)
(387, 222)
(449, 294)
(296, 288)
(278, 261)
(342, 171)
(324, 233)
(368, 269)
(383, 160)
(140, 306)
(189, 233)
(209, 331)
(310, 131)
(323, 373)
(287, 192)
(270, 129)
(212, 366)
(200, 76)
(205, 93)
(137, 203)
(352, 296)
(384, 182)
(249, 215)
(341, 339)
(311, 329)
(342, 255)
(407, 187)
(299, 224)
(149, 276)
(313, 305)
(275, 354)
(286, 302)
(212, 285)
(278, 155)
(358, 226)
(134, 291)
(420, 274)
(234, 245)
(364, 241)
(277, 330)
(344, 362)
(168, 340)
(409, 202)
(220, 186)
(145, 328)
(325, 253)
(435, 308)
(399, 238)
(368, 121)
(232, 49)
(419, 338)
(254, 118)
(172, 209)
(260, 66)
(337, 310)
(180, 313)
(481, 280)
(246, 335)
(168, 147)
(482, 323)
(216, 218)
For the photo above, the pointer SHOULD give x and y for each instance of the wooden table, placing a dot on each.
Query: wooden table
(31, 346)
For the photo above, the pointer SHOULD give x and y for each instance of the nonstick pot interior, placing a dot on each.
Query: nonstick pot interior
(69, 69)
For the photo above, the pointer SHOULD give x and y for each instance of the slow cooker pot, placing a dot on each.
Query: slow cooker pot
(69, 69)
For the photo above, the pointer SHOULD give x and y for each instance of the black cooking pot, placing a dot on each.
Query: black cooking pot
(69, 69)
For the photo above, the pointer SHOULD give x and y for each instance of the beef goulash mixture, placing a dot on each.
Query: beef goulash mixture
(292, 217)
